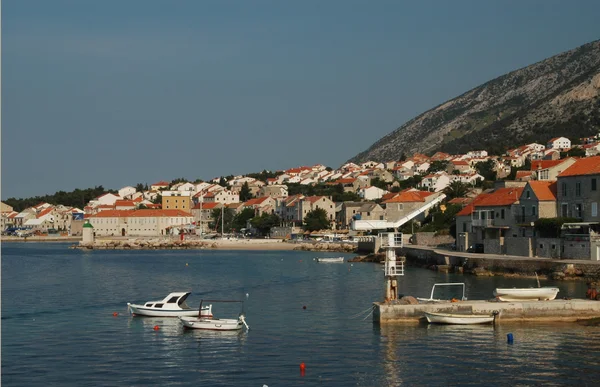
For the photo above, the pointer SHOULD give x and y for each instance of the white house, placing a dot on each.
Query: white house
(224, 196)
(106, 199)
(371, 193)
(435, 182)
(187, 187)
(422, 168)
(476, 154)
(127, 191)
(559, 143)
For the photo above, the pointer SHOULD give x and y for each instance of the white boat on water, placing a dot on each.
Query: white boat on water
(526, 294)
(458, 319)
(173, 305)
(215, 324)
(331, 260)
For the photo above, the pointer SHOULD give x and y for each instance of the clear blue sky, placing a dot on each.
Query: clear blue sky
(115, 93)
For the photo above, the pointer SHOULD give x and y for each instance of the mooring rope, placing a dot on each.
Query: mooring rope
(363, 312)
(372, 309)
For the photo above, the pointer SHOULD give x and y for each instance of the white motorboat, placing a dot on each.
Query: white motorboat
(432, 300)
(331, 260)
(215, 324)
(173, 305)
(459, 319)
(526, 294)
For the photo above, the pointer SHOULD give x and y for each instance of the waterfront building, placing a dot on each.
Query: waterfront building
(138, 222)
(578, 190)
(177, 200)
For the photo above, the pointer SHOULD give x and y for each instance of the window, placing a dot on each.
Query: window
(578, 188)
(502, 213)
(533, 210)
(564, 210)
(594, 185)
(564, 189)
(464, 227)
(541, 246)
(594, 209)
(528, 194)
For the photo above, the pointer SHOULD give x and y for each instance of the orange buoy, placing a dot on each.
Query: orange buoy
(115, 314)
(302, 368)
(156, 327)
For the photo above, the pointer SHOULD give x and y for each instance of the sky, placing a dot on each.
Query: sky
(120, 92)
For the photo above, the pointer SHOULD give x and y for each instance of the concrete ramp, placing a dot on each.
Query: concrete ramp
(368, 225)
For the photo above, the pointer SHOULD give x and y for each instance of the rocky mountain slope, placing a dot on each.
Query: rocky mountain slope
(559, 96)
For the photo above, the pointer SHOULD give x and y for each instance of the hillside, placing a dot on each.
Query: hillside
(559, 96)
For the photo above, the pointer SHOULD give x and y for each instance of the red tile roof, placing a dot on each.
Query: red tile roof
(256, 201)
(45, 212)
(522, 174)
(461, 201)
(543, 190)
(586, 166)
(501, 197)
(468, 210)
(345, 181)
(544, 164)
(207, 206)
(128, 203)
(150, 213)
(409, 196)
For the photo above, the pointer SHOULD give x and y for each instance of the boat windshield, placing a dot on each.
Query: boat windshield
(182, 304)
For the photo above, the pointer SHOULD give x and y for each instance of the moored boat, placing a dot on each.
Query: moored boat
(330, 260)
(215, 324)
(173, 305)
(526, 294)
(458, 319)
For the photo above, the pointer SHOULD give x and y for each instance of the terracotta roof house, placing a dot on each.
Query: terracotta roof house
(578, 191)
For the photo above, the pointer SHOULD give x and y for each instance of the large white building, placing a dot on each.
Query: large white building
(138, 222)
(559, 143)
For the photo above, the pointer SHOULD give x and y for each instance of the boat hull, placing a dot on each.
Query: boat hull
(212, 324)
(458, 319)
(141, 310)
(526, 294)
(331, 260)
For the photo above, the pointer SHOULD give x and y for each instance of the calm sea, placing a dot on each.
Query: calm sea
(58, 327)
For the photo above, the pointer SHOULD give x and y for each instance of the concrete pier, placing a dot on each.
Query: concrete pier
(547, 311)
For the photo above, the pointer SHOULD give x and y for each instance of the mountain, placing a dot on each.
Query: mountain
(559, 96)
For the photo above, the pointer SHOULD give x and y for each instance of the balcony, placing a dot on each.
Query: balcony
(482, 222)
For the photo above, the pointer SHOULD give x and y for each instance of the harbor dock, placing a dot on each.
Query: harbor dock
(546, 311)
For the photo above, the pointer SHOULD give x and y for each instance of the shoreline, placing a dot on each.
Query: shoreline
(212, 244)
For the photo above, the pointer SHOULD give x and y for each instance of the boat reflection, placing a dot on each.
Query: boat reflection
(170, 326)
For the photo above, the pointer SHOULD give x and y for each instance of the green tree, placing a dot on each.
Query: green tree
(245, 193)
(438, 165)
(486, 169)
(222, 182)
(157, 199)
(456, 189)
(316, 220)
(240, 220)
(227, 221)
(265, 222)
(179, 180)
(573, 152)
(139, 187)
(377, 182)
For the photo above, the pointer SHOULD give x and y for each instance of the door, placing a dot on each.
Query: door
(123, 232)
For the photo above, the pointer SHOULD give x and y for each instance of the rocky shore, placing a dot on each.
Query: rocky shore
(198, 244)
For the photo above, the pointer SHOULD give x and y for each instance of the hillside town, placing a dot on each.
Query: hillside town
(534, 200)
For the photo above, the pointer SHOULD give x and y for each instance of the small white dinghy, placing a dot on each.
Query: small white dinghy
(215, 324)
(459, 319)
(331, 260)
(173, 305)
(526, 294)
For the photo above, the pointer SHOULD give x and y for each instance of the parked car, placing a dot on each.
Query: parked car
(475, 248)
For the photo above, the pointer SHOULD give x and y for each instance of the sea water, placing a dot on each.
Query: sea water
(65, 323)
